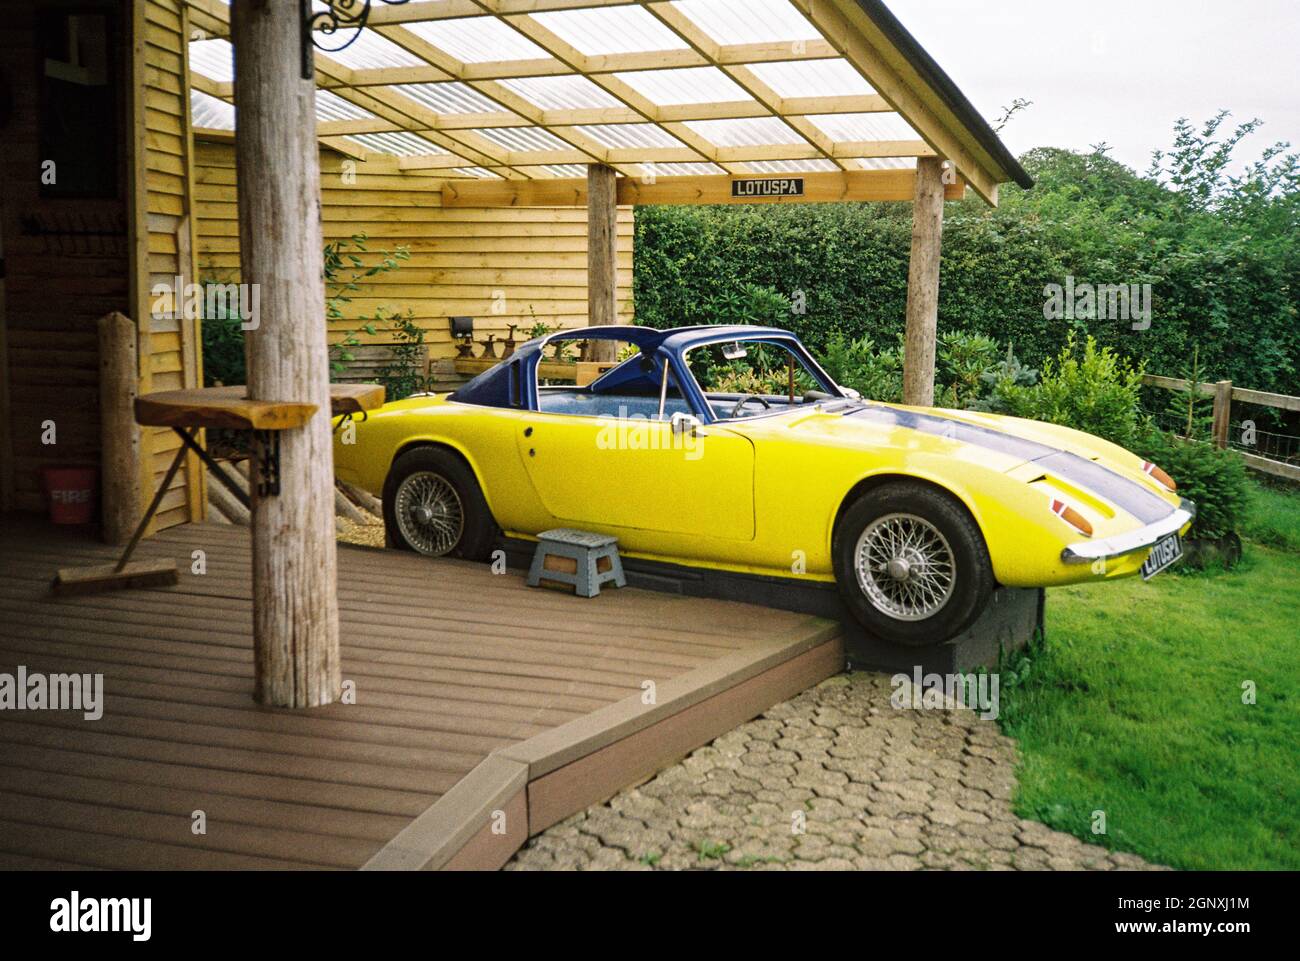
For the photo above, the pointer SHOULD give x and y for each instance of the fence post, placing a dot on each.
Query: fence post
(1222, 412)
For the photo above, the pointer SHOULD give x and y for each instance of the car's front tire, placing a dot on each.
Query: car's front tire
(911, 563)
(433, 505)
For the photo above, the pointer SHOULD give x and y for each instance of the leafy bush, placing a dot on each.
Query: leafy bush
(1213, 479)
(1095, 391)
(405, 374)
(346, 274)
(961, 362)
(223, 351)
(857, 364)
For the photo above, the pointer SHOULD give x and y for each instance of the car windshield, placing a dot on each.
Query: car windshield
(748, 378)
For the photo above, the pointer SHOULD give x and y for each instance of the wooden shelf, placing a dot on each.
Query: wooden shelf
(229, 407)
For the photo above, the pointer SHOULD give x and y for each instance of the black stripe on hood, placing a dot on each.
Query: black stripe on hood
(1126, 494)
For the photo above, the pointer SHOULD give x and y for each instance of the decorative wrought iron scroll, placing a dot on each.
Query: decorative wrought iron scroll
(339, 17)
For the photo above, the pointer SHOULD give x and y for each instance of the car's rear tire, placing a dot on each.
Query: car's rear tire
(433, 505)
(911, 564)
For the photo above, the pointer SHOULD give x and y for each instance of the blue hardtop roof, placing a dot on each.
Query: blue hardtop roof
(650, 339)
(513, 382)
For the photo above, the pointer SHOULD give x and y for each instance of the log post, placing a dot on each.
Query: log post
(602, 255)
(923, 284)
(1222, 412)
(119, 435)
(295, 609)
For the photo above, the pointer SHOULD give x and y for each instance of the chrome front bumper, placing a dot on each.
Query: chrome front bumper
(1085, 552)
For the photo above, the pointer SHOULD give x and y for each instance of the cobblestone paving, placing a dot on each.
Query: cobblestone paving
(834, 779)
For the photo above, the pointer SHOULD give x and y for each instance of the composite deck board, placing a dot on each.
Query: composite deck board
(453, 612)
(450, 663)
(220, 808)
(461, 590)
(397, 627)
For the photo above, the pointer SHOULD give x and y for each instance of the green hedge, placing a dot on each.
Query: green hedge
(1225, 273)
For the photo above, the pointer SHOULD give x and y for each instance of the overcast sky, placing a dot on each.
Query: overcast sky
(1119, 71)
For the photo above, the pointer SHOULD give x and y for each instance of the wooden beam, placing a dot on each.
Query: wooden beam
(853, 185)
(602, 256)
(923, 284)
(295, 607)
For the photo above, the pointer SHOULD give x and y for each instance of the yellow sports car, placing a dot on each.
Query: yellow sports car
(730, 448)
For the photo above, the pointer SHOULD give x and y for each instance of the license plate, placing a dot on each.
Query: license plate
(1165, 552)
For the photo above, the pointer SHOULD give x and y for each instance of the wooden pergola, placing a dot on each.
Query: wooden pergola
(548, 103)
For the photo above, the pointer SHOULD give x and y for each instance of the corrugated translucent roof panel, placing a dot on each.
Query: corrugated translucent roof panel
(748, 132)
(748, 21)
(864, 126)
(566, 170)
(450, 97)
(330, 106)
(630, 135)
(570, 92)
(523, 138)
(649, 170)
(215, 59)
(478, 40)
(791, 166)
(886, 163)
(605, 30)
(210, 112)
(400, 144)
(369, 51)
(683, 85)
(476, 172)
(812, 78)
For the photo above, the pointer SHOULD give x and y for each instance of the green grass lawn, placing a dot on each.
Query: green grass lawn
(1134, 707)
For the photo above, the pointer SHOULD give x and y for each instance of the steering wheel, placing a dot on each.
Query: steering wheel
(740, 404)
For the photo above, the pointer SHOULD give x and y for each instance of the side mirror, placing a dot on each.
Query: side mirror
(850, 393)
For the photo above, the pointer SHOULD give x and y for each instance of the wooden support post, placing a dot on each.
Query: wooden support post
(119, 436)
(1222, 412)
(923, 284)
(602, 255)
(295, 608)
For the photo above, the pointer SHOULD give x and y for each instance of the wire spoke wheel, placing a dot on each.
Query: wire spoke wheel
(905, 566)
(429, 513)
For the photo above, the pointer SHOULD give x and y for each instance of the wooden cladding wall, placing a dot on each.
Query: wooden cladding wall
(58, 280)
(164, 239)
(500, 266)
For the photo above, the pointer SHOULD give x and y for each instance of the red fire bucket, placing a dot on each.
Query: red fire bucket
(72, 493)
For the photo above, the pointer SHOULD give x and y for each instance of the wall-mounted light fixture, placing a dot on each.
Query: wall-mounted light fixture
(339, 16)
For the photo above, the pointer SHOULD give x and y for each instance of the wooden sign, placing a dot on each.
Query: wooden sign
(768, 187)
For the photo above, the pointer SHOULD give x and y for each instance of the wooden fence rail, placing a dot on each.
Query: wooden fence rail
(1224, 394)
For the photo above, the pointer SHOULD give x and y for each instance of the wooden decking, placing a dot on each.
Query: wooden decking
(484, 710)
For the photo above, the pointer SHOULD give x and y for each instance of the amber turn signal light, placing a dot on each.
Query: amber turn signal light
(1072, 517)
(1165, 480)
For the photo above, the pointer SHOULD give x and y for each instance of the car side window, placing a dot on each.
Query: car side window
(631, 396)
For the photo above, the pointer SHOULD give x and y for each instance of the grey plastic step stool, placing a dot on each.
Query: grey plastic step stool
(586, 549)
